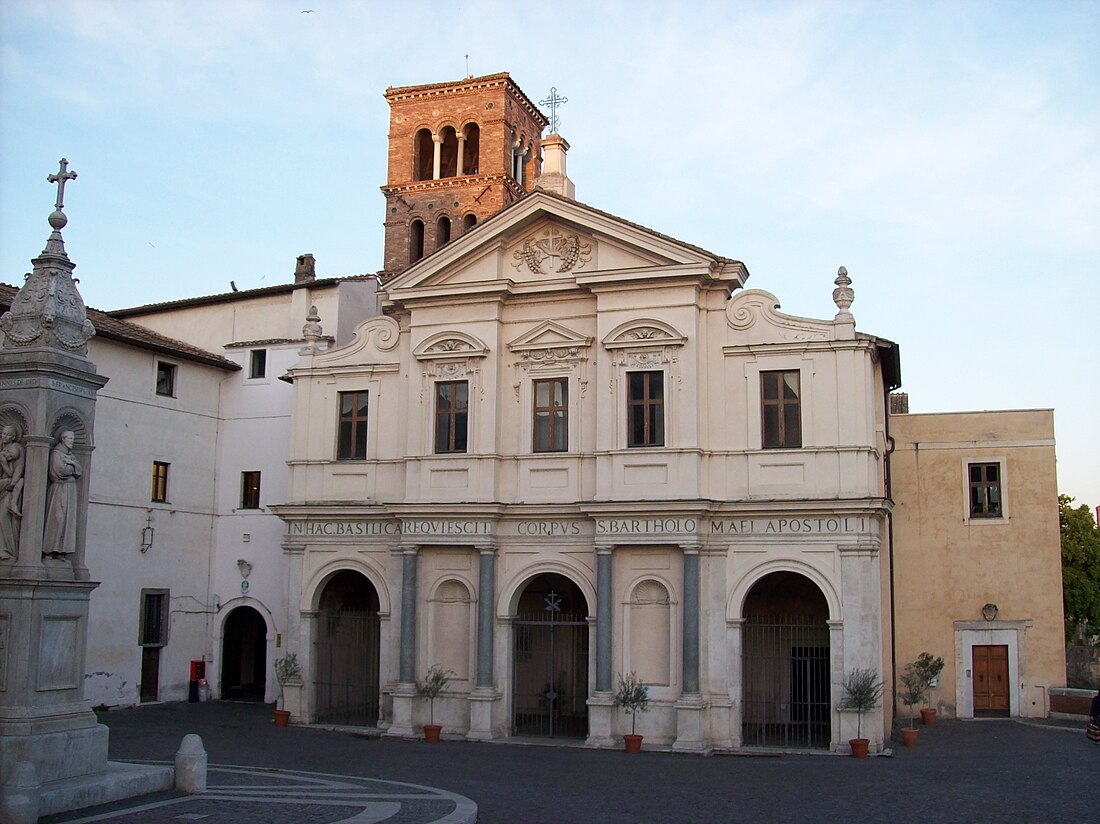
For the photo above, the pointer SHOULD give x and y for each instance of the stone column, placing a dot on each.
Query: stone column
(437, 152)
(690, 665)
(601, 708)
(690, 708)
(460, 168)
(735, 629)
(485, 700)
(407, 673)
(404, 694)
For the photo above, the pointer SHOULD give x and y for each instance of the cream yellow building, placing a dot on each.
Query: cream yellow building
(977, 557)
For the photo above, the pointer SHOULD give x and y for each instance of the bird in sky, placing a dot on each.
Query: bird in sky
(307, 11)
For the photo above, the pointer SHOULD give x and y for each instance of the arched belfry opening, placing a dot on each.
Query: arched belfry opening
(442, 231)
(471, 148)
(785, 664)
(346, 652)
(424, 155)
(416, 240)
(244, 656)
(448, 152)
(550, 659)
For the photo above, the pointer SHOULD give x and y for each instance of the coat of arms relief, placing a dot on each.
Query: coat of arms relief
(552, 252)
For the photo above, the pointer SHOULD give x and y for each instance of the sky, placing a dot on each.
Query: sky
(946, 153)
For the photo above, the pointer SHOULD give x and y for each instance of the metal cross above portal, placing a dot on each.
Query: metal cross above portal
(60, 178)
(553, 101)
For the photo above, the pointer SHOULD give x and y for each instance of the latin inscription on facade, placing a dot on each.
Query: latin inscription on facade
(788, 526)
(607, 527)
(646, 526)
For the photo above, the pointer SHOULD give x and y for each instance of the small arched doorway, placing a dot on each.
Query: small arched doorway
(550, 659)
(785, 664)
(244, 656)
(346, 652)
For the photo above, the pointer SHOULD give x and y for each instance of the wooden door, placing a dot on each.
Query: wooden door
(991, 680)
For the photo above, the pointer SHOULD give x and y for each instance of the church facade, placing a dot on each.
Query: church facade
(571, 448)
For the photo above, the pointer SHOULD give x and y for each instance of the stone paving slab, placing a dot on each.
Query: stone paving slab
(238, 794)
(976, 771)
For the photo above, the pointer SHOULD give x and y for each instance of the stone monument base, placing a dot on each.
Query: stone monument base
(116, 782)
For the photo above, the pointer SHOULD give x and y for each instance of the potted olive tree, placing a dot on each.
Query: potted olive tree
(862, 691)
(430, 688)
(633, 697)
(287, 671)
(911, 693)
(929, 669)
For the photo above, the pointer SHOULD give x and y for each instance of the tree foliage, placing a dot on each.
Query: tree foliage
(1080, 567)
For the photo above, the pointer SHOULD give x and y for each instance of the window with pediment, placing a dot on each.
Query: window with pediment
(645, 354)
(450, 363)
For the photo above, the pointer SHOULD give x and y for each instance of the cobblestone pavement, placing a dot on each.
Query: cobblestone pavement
(973, 771)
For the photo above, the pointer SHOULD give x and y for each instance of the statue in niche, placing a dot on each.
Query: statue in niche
(61, 500)
(12, 462)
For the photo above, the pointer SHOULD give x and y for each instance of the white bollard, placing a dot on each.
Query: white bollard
(191, 765)
(20, 795)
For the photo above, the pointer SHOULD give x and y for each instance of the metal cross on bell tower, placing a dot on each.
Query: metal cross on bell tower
(553, 101)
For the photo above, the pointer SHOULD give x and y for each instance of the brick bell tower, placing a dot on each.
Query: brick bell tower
(459, 153)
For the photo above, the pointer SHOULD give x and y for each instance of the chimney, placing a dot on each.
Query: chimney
(306, 269)
(553, 177)
(899, 403)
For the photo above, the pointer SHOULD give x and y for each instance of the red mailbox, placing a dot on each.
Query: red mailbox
(198, 670)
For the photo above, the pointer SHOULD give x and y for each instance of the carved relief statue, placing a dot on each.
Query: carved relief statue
(12, 462)
(61, 500)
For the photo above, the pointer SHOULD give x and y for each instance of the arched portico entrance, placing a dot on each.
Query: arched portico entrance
(550, 659)
(346, 651)
(785, 664)
(244, 655)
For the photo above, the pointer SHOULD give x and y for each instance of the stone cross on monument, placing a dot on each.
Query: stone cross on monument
(60, 178)
(553, 101)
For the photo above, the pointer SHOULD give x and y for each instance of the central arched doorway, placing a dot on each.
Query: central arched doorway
(550, 659)
(244, 656)
(346, 652)
(785, 664)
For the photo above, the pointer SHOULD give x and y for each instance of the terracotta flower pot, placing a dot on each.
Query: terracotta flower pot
(633, 743)
(282, 718)
(909, 736)
(431, 733)
(928, 716)
(859, 747)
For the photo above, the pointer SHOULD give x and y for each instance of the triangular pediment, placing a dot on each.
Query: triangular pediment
(548, 335)
(549, 241)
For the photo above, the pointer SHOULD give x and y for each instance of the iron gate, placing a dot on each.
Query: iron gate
(550, 672)
(345, 675)
(785, 682)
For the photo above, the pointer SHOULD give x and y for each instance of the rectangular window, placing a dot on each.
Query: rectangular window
(352, 445)
(160, 482)
(250, 490)
(154, 618)
(166, 379)
(551, 415)
(985, 490)
(782, 410)
(645, 409)
(452, 413)
(257, 364)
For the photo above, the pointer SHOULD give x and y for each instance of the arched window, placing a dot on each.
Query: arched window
(448, 153)
(650, 633)
(469, 222)
(442, 231)
(416, 241)
(424, 155)
(471, 148)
